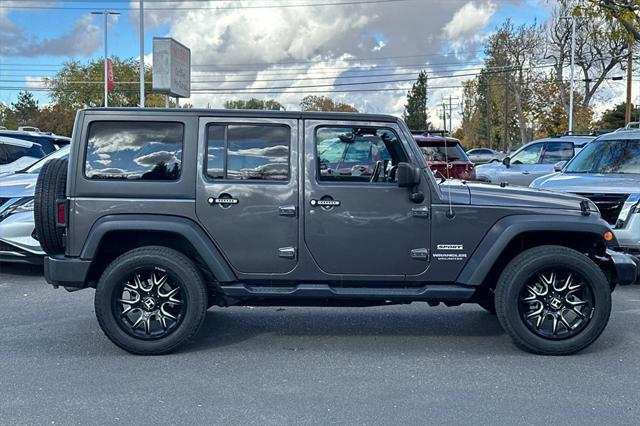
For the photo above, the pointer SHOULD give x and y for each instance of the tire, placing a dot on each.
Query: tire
(118, 279)
(536, 265)
(50, 187)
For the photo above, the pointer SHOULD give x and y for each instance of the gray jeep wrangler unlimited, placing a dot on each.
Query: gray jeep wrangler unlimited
(169, 212)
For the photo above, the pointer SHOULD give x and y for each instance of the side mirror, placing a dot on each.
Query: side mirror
(559, 166)
(507, 161)
(408, 175)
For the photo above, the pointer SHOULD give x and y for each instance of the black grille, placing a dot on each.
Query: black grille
(609, 205)
(8, 247)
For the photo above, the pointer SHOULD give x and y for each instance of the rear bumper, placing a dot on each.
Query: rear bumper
(68, 272)
(625, 266)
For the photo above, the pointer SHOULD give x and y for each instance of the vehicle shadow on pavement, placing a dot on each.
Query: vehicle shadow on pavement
(22, 269)
(345, 326)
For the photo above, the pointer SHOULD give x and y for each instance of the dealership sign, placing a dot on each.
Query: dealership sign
(171, 67)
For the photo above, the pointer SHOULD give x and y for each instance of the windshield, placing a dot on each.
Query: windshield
(607, 156)
(438, 152)
(35, 167)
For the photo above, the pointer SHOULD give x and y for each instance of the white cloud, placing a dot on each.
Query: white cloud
(469, 20)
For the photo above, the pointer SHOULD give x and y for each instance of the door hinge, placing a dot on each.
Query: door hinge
(420, 211)
(287, 252)
(420, 254)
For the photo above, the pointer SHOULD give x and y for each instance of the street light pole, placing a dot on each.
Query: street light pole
(141, 53)
(106, 14)
(573, 59)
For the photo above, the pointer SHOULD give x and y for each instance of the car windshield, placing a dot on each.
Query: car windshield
(35, 167)
(438, 152)
(607, 156)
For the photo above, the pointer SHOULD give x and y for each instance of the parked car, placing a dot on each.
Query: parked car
(445, 157)
(18, 242)
(17, 154)
(607, 172)
(49, 142)
(485, 155)
(166, 213)
(533, 160)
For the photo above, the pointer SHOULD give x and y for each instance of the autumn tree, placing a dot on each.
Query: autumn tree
(613, 118)
(57, 119)
(323, 103)
(79, 85)
(254, 103)
(626, 12)
(415, 110)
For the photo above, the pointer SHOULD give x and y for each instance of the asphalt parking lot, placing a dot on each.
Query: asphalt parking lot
(402, 364)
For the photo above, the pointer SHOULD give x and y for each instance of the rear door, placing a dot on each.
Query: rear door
(357, 221)
(247, 194)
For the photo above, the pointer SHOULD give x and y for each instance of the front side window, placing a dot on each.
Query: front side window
(528, 155)
(248, 152)
(557, 151)
(357, 154)
(134, 150)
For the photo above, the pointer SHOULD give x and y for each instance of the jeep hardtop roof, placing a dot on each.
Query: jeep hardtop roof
(253, 113)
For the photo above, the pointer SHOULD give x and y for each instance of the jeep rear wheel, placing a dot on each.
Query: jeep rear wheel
(151, 300)
(553, 300)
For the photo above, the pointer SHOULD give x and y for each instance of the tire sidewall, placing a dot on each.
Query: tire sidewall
(120, 271)
(510, 293)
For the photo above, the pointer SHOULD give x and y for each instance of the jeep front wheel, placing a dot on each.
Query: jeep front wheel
(151, 300)
(553, 300)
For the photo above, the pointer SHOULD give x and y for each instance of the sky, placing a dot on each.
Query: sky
(240, 48)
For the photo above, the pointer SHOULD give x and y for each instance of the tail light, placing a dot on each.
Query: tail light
(61, 213)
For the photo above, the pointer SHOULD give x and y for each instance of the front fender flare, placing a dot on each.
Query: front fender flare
(506, 229)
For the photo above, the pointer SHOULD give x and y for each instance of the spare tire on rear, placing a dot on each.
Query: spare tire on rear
(50, 187)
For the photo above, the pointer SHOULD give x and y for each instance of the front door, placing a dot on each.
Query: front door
(357, 219)
(247, 196)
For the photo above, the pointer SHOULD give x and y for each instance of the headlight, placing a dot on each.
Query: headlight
(22, 205)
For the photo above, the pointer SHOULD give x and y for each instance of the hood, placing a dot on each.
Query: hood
(18, 185)
(587, 183)
(518, 196)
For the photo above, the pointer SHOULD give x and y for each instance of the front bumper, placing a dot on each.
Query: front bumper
(68, 272)
(625, 267)
(16, 239)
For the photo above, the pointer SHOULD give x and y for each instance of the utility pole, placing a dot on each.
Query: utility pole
(627, 115)
(141, 53)
(444, 105)
(106, 14)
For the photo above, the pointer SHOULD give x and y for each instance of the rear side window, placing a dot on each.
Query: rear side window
(14, 152)
(134, 150)
(248, 152)
(557, 151)
(438, 152)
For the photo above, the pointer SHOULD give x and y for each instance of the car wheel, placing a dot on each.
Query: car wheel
(553, 300)
(151, 300)
(50, 187)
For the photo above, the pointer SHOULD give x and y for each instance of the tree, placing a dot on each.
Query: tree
(415, 110)
(470, 114)
(253, 103)
(79, 85)
(57, 119)
(25, 109)
(7, 117)
(613, 118)
(323, 103)
(626, 12)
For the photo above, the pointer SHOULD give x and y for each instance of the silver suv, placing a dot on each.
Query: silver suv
(607, 172)
(535, 159)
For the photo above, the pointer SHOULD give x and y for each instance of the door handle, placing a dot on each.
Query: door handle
(325, 203)
(526, 173)
(287, 210)
(224, 200)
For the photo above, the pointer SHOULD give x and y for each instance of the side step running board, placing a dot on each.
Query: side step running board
(440, 293)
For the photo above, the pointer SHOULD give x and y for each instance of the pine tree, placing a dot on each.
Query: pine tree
(25, 109)
(415, 110)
